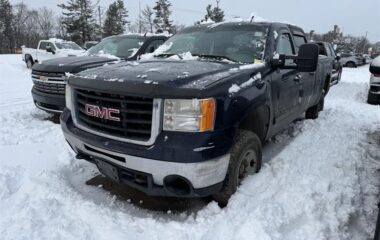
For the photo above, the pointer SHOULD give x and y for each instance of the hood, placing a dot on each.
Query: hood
(154, 76)
(71, 64)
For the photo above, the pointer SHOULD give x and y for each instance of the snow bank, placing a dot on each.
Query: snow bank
(319, 179)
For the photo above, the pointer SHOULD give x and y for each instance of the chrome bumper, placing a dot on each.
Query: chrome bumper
(201, 175)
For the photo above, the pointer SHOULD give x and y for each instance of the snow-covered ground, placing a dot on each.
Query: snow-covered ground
(320, 178)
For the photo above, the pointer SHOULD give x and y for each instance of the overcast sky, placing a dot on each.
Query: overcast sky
(353, 16)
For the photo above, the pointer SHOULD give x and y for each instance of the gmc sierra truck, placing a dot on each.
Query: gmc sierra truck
(49, 77)
(191, 121)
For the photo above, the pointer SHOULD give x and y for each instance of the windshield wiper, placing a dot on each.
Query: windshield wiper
(168, 55)
(217, 57)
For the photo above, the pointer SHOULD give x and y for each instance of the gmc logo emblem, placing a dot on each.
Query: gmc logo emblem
(104, 113)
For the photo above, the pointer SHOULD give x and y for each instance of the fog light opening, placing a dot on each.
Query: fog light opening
(177, 185)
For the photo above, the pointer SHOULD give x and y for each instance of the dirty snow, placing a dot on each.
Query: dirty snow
(236, 88)
(319, 179)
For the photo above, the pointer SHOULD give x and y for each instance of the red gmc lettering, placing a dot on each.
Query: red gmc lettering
(104, 113)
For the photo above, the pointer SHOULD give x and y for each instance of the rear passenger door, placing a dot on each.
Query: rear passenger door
(285, 82)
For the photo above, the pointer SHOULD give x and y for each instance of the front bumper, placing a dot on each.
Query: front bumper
(52, 103)
(149, 173)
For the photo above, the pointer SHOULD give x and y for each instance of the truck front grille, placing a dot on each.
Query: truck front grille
(49, 82)
(53, 88)
(134, 120)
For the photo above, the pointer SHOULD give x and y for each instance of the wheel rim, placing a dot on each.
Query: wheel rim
(248, 160)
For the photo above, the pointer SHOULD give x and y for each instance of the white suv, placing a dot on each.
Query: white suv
(374, 89)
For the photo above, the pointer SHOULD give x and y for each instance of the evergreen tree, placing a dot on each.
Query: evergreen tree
(162, 20)
(147, 18)
(78, 19)
(215, 14)
(115, 19)
(6, 30)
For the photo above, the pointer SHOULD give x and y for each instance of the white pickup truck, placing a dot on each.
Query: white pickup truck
(48, 49)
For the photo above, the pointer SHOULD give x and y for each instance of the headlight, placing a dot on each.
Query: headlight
(68, 97)
(189, 115)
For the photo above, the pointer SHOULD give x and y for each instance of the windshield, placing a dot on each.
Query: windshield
(122, 47)
(68, 45)
(239, 43)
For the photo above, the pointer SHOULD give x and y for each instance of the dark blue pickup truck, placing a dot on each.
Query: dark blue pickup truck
(191, 121)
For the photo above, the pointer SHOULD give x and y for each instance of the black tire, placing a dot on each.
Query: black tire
(373, 99)
(246, 156)
(29, 62)
(351, 65)
(313, 112)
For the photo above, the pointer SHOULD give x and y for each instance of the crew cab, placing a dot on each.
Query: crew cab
(49, 77)
(326, 49)
(48, 49)
(191, 121)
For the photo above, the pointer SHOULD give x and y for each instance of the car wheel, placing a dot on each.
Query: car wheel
(373, 99)
(245, 158)
(351, 65)
(313, 112)
(29, 63)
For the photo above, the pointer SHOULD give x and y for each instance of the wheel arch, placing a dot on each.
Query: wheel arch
(257, 120)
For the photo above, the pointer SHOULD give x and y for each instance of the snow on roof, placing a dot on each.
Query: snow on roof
(58, 40)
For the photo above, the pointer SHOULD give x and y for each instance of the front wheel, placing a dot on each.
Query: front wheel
(245, 158)
(29, 63)
(373, 99)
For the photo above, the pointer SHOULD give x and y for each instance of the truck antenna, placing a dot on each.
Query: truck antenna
(252, 18)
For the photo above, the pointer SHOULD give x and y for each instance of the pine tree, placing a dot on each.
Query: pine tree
(147, 18)
(162, 20)
(78, 19)
(115, 19)
(6, 30)
(215, 14)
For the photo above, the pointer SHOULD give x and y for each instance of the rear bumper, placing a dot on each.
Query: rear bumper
(202, 176)
(51, 103)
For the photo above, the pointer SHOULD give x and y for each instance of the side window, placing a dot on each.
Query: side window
(51, 45)
(43, 45)
(153, 46)
(332, 51)
(298, 41)
(328, 50)
(285, 46)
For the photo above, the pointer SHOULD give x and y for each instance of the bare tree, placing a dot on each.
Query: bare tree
(147, 18)
(60, 28)
(45, 22)
(20, 18)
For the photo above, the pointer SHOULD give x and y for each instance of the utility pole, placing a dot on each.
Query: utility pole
(365, 41)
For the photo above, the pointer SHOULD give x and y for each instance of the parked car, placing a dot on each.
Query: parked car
(49, 77)
(361, 58)
(48, 49)
(191, 121)
(326, 49)
(350, 60)
(89, 44)
(374, 88)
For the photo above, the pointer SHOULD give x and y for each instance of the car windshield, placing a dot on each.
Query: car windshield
(68, 45)
(121, 47)
(239, 43)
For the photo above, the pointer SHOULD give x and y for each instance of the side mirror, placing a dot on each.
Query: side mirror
(337, 58)
(49, 49)
(307, 59)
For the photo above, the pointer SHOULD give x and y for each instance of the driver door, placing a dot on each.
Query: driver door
(286, 82)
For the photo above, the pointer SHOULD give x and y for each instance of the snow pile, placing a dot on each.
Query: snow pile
(160, 50)
(319, 179)
(236, 88)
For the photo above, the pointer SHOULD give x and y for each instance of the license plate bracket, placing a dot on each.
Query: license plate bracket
(108, 170)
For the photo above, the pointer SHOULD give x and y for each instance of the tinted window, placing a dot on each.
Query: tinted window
(332, 51)
(153, 46)
(298, 41)
(328, 51)
(284, 45)
(51, 46)
(122, 47)
(43, 45)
